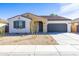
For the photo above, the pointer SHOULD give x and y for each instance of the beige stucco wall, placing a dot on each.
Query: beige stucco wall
(74, 26)
(34, 23)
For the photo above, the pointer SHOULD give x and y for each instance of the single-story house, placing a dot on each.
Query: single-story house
(30, 23)
(75, 25)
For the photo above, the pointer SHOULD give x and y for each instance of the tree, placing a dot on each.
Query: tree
(53, 14)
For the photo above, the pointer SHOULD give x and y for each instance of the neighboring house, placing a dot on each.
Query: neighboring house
(75, 25)
(30, 23)
(3, 24)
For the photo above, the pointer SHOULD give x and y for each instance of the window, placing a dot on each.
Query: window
(19, 24)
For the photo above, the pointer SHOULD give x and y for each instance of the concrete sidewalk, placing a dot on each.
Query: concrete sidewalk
(47, 50)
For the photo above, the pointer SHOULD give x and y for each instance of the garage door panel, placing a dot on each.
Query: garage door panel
(57, 28)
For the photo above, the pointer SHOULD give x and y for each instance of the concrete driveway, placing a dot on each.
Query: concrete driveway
(66, 38)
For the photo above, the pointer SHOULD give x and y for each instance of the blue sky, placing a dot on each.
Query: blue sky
(9, 10)
(69, 10)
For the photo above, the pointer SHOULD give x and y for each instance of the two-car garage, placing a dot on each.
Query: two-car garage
(57, 24)
(57, 27)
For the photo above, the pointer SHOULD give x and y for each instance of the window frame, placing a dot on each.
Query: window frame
(19, 24)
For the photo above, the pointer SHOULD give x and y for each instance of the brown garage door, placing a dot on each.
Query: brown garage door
(57, 27)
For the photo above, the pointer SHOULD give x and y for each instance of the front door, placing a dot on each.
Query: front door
(40, 29)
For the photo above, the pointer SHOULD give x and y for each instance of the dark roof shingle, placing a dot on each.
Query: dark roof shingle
(49, 18)
(54, 18)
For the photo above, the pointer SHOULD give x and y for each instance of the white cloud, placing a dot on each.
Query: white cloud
(70, 10)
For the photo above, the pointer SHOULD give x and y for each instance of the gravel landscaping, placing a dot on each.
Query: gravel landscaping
(28, 40)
